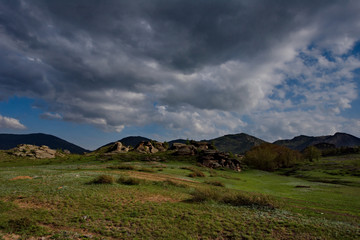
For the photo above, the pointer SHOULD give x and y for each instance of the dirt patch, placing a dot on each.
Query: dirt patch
(29, 203)
(20, 178)
(10, 237)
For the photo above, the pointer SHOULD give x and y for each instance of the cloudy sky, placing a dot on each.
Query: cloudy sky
(96, 71)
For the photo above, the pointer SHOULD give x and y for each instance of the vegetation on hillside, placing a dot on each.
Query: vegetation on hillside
(270, 157)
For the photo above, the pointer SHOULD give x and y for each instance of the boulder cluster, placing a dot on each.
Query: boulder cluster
(118, 147)
(142, 147)
(32, 151)
(208, 156)
(206, 153)
(216, 159)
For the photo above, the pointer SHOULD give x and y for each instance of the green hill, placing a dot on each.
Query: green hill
(236, 143)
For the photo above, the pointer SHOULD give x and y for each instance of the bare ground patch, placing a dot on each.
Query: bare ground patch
(20, 178)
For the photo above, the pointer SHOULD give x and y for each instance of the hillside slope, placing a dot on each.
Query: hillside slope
(236, 143)
(8, 141)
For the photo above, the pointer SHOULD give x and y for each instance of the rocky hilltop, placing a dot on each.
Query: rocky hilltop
(32, 151)
(205, 153)
(9, 141)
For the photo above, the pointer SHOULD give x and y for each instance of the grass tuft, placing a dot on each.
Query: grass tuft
(103, 179)
(129, 180)
(123, 167)
(24, 226)
(195, 172)
(215, 183)
(234, 198)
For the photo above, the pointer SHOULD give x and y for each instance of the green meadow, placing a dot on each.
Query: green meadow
(125, 197)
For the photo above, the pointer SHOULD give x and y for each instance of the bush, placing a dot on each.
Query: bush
(149, 170)
(270, 157)
(129, 180)
(195, 172)
(123, 167)
(170, 182)
(104, 179)
(206, 194)
(215, 183)
(312, 153)
(234, 198)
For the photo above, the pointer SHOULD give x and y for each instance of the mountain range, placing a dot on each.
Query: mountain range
(337, 140)
(235, 143)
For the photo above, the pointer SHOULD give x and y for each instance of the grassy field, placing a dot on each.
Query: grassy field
(125, 197)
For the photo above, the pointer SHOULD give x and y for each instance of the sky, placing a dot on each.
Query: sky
(92, 71)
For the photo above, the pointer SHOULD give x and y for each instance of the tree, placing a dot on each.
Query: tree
(312, 153)
(270, 157)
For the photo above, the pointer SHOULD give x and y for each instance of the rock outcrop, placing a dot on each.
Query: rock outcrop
(150, 147)
(190, 149)
(32, 151)
(183, 149)
(118, 147)
(216, 159)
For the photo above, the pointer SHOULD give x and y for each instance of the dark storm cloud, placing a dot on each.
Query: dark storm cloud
(115, 63)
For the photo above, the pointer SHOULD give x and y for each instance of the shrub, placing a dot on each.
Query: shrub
(215, 183)
(250, 199)
(312, 153)
(195, 172)
(104, 179)
(234, 198)
(123, 167)
(270, 157)
(169, 182)
(206, 194)
(149, 170)
(129, 180)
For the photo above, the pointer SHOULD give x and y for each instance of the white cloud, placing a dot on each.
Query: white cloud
(195, 78)
(10, 123)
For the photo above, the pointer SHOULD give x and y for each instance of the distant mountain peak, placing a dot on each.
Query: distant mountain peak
(339, 139)
(236, 143)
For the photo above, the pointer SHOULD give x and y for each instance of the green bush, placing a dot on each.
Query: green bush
(312, 153)
(195, 172)
(149, 170)
(169, 182)
(129, 180)
(104, 179)
(270, 157)
(123, 167)
(215, 183)
(234, 198)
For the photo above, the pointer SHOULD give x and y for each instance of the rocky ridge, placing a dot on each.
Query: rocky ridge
(39, 152)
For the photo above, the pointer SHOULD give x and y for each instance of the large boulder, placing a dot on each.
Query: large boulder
(162, 147)
(118, 147)
(32, 151)
(183, 149)
(145, 147)
(216, 159)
